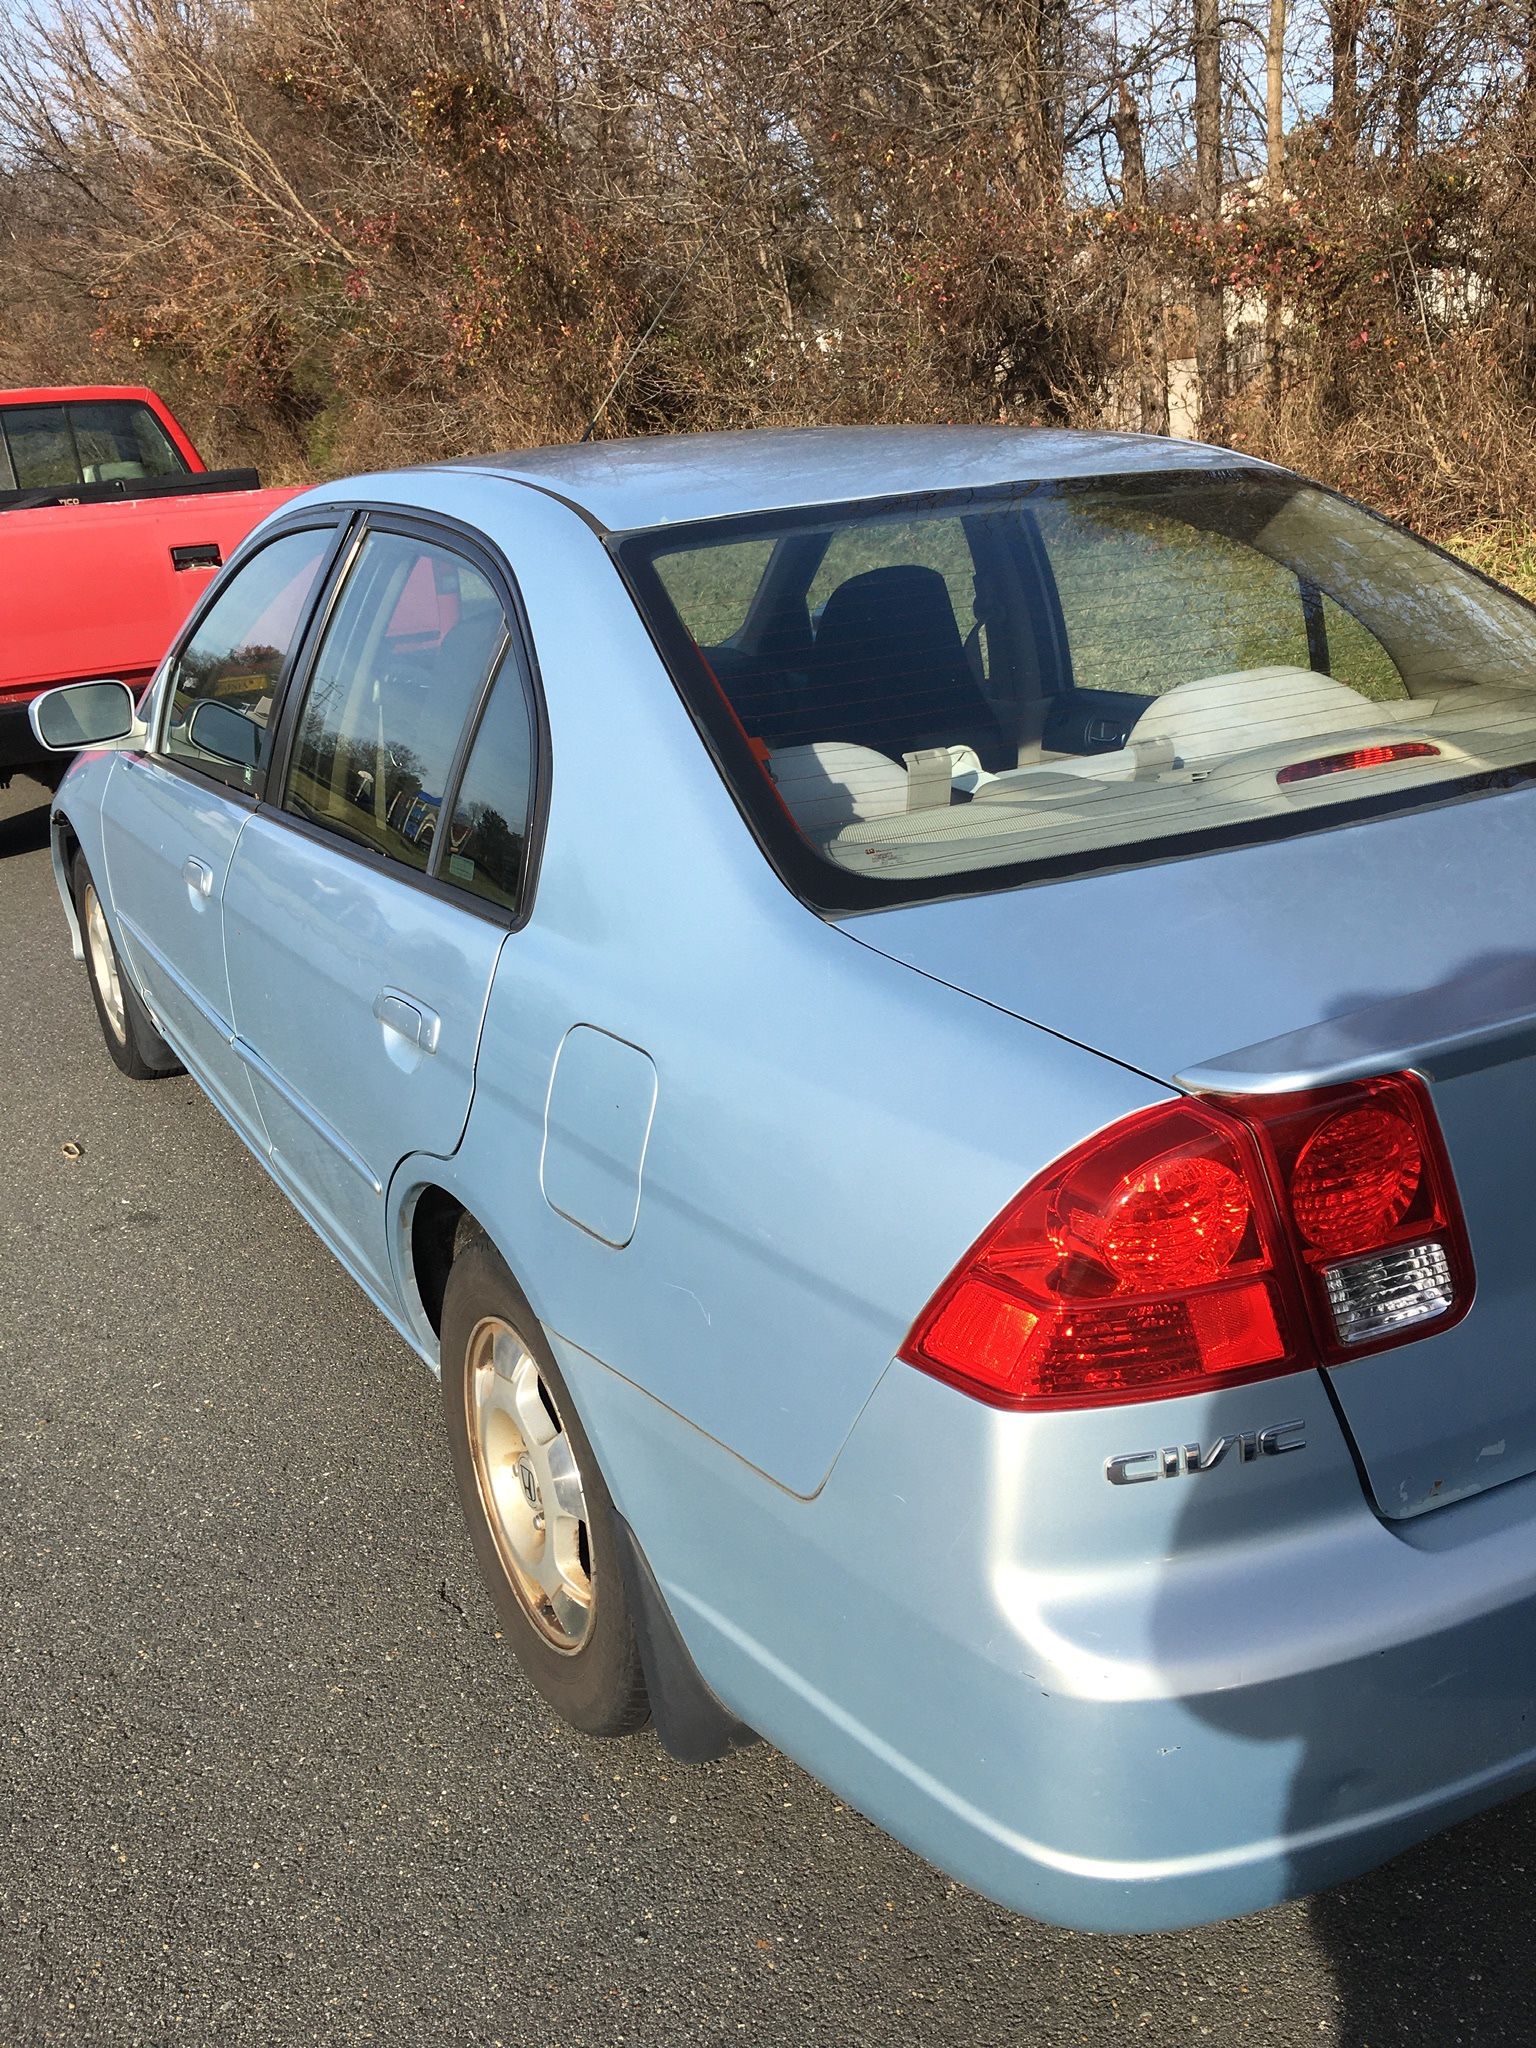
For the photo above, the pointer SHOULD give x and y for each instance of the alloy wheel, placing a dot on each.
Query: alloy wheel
(529, 1484)
(104, 965)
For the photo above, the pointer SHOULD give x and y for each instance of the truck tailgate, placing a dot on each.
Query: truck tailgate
(94, 590)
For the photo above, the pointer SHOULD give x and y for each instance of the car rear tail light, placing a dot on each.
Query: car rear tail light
(1355, 1177)
(1372, 1297)
(1147, 1261)
(1366, 1191)
(1199, 1243)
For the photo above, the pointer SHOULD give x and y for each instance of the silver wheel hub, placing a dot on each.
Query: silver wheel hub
(529, 1483)
(104, 964)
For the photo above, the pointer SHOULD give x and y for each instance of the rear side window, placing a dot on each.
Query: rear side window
(407, 650)
(712, 588)
(238, 651)
(929, 697)
(86, 442)
(1149, 601)
(487, 839)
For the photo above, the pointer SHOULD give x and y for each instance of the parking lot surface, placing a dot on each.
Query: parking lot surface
(268, 1776)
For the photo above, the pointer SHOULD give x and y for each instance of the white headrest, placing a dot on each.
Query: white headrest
(1250, 707)
(832, 783)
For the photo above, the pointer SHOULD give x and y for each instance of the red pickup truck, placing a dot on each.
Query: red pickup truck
(110, 526)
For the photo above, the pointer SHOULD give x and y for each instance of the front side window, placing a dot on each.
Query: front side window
(236, 656)
(932, 697)
(409, 645)
(86, 441)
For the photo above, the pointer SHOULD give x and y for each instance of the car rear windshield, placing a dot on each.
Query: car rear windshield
(83, 441)
(960, 693)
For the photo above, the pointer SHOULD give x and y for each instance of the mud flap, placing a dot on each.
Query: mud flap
(691, 1723)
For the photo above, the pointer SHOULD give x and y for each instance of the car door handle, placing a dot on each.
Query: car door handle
(410, 1018)
(197, 875)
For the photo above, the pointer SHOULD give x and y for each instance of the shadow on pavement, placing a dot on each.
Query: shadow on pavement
(1435, 1948)
(24, 830)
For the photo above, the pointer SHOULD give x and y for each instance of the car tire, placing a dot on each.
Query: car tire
(540, 1517)
(126, 1025)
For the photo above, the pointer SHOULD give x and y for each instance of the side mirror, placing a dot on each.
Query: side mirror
(80, 715)
(227, 734)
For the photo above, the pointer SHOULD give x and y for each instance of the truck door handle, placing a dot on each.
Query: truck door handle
(197, 875)
(197, 554)
(403, 1013)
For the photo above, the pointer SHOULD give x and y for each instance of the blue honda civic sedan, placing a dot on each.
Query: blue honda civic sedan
(935, 1033)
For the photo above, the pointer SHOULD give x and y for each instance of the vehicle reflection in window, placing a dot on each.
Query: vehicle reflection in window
(487, 838)
(402, 667)
(238, 650)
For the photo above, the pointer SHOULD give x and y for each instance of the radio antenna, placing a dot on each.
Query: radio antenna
(651, 325)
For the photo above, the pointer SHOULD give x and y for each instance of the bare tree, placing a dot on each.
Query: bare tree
(1210, 313)
(1144, 296)
(345, 236)
(1274, 103)
(1346, 19)
(1274, 189)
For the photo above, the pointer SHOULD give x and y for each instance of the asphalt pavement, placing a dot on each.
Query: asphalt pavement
(268, 1775)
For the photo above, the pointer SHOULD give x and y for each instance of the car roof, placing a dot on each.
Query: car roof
(669, 479)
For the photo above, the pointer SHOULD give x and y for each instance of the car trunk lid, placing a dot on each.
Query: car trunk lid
(1406, 942)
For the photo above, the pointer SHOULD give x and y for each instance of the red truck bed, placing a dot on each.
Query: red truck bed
(92, 589)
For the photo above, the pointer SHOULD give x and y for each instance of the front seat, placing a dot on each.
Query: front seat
(889, 670)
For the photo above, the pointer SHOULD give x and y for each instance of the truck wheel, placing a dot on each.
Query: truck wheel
(540, 1518)
(131, 1037)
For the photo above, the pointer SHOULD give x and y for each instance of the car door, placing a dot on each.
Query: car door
(172, 815)
(367, 903)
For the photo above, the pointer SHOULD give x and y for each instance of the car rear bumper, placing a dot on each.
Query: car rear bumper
(1124, 1708)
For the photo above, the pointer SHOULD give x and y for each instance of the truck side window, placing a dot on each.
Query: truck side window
(87, 441)
(237, 652)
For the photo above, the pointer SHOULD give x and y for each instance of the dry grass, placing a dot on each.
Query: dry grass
(1505, 550)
